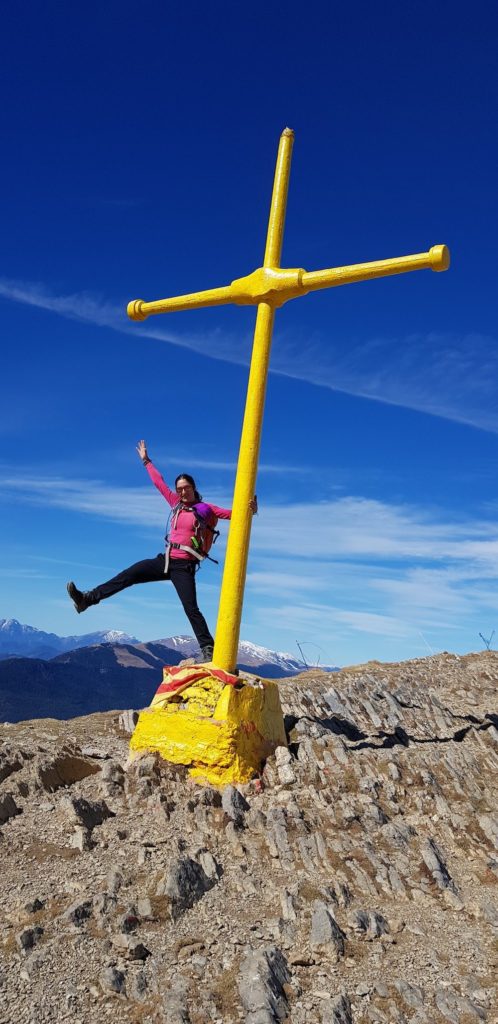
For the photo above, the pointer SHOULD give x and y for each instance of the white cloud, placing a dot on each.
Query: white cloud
(194, 461)
(327, 621)
(344, 529)
(450, 376)
(354, 527)
(341, 569)
(283, 583)
(18, 573)
(92, 309)
(133, 505)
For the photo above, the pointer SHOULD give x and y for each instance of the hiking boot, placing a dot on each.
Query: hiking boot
(82, 599)
(206, 654)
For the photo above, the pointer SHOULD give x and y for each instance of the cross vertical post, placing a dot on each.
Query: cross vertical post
(232, 588)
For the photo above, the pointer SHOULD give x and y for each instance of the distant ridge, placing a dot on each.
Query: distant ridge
(27, 641)
(18, 640)
(101, 676)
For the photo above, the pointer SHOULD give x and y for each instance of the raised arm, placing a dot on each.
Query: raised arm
(155, 476)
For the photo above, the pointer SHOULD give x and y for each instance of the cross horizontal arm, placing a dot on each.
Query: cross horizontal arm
(276, 285)
(140, 310)
(438, 258)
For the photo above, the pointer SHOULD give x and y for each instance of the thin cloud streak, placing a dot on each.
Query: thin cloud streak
(91, 309)
(324, 619)
(230, 467)
(134, 506)
(378, 569)
(441, 375)
(351, 528)
(448, 376)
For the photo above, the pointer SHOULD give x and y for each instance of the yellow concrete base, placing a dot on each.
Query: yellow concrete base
(223, 733)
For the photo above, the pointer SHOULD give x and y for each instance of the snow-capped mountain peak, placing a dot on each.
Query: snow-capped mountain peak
(18, 640)
(116, 636)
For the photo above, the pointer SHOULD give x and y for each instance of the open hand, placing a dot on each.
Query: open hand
(253, 505)
(142, 450)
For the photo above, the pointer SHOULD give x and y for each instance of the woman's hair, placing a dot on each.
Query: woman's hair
(190, 480)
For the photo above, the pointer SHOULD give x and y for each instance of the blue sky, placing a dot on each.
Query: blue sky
(139, 157)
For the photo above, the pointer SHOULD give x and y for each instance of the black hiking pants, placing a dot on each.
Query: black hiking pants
(181, 572)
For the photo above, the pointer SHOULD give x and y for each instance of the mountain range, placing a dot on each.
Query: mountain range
(44, 675)
(29, 642)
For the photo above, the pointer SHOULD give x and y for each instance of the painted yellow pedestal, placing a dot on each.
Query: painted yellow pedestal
(223, 733)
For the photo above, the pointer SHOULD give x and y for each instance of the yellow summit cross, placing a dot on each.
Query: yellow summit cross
(267, 288)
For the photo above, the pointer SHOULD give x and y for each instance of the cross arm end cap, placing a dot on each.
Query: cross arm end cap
(440, 257)
(135, 310)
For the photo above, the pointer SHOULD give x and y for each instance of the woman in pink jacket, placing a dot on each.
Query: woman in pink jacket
(178, 563)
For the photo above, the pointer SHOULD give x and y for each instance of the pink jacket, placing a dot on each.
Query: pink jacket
(185, 522)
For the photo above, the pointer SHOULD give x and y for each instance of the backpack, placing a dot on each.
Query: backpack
(205, 532)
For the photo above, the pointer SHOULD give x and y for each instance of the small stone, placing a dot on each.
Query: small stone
(261, 986)
(64, 769)
(139, 987)
(114, 881)
(8, 808)
(324, 929)
(381, 989)
(144, 909)
(34, 906)
(137, 951)
(81, 839)
(112, 779)
(234, 804)
(95, 752)
(185, 884)
(129, 947)
(288, 904)
(255, 820)
(413, 995)
(127, 721)
(339, 1012)
(113, 980)
(298, 960)
(30, 969)
(370, 924)
(434, 860)
(209, 865)
(284, 763)
(77, 913)
(85, 812)
(146, 767)
(103, 905)
(29, 937)
(129, 921)
(453, 900)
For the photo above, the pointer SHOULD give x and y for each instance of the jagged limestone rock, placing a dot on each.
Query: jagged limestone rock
(186, 883)
(261, 986)
(325, 932)
(88, 813)
(8, 807)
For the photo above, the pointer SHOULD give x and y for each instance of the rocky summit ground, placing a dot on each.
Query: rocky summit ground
(356, 882)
